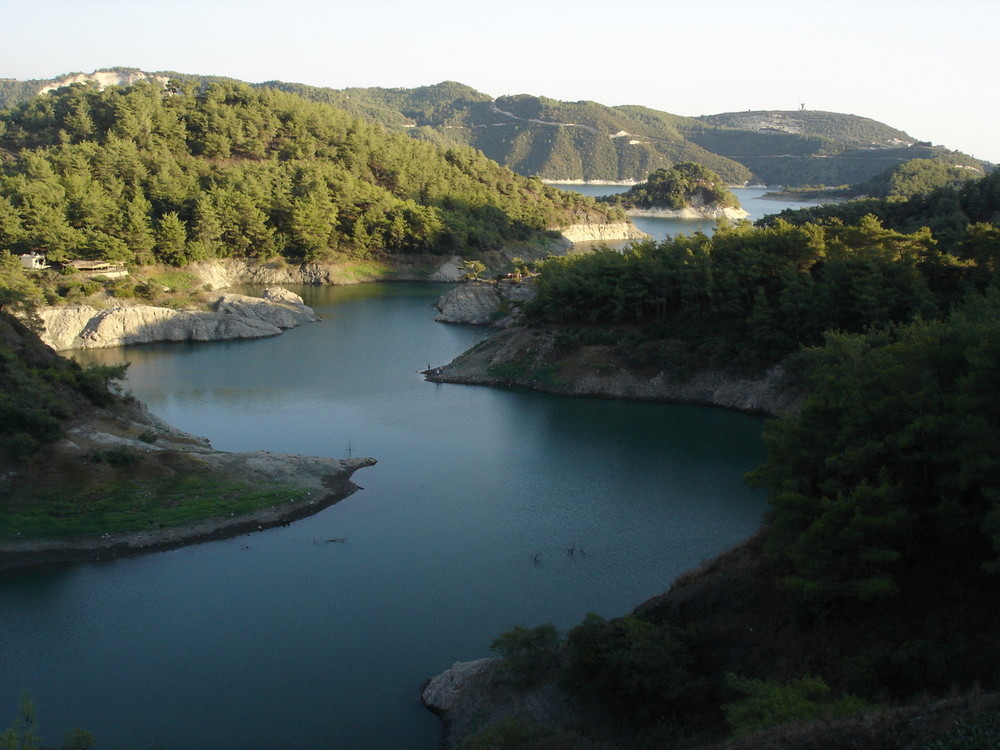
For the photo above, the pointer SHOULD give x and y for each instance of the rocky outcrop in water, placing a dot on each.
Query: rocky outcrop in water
(486, 303)
(475, 695)
(235, 316)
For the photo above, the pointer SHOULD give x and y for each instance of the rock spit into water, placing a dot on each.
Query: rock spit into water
(162, 450)
(530, 358)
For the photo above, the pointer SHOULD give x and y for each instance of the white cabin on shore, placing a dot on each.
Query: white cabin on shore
(34, 261)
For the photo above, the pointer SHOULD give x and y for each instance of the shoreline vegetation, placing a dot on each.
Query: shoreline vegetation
(869, 595)
(122, 482)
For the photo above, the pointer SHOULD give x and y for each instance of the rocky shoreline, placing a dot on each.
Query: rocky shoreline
(530, 358)
(475, 695)
(233, 316)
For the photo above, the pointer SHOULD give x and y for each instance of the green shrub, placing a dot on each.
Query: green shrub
(528, 653)
(117, 456)
(768, 704)
(639, 668)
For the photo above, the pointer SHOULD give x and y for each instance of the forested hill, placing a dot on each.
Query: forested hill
(142, 174)
(538, 136)
(847, 130)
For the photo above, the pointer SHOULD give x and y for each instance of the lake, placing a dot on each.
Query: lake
(281, 640)
(659, 228)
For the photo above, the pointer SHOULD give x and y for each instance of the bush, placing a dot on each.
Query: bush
(528, 653)
(643, 670)
(768, 704)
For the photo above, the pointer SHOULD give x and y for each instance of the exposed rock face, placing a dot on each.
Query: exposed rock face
(483, 303)
(473, 303)
(474, 695)
(105, 78)
(516, 356)
(235, 316)
(219, 274)
(450, 270)
(442, 692)
(624, 230)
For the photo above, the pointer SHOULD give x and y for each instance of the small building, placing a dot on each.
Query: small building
(33, 260)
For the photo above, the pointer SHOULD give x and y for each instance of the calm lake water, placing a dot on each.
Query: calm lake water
(658, 228)
(279, 640)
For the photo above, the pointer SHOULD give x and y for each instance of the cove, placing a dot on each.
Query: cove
(282, 639)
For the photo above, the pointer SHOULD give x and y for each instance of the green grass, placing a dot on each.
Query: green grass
(131, 506)
(178, 281)
(364, 270)
(522, 371)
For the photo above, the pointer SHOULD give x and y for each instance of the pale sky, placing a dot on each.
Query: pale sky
(929, 68)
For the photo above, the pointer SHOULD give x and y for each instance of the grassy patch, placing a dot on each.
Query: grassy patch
(176, 280)
(364, 270)
(521, 371)
(128, 506)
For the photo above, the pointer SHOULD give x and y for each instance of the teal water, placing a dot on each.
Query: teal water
(278, 640)
(661, 228)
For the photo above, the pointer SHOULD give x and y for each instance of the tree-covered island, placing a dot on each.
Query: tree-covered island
(684, 190)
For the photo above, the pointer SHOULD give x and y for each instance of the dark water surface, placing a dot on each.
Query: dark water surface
(279, 640)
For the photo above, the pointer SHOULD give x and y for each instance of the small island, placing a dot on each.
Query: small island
(684, 191)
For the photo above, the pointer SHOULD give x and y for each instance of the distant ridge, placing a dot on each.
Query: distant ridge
(574, 141)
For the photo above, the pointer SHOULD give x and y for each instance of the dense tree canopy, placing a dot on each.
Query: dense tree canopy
(887, 482)
(750, 296)
(915, 177)
(141, 174)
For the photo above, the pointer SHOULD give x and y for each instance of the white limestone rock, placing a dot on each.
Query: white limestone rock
(622, 230)
(443, 692)
(235, 317)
